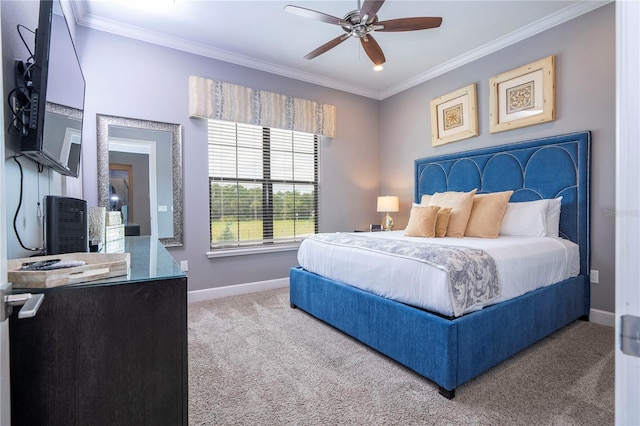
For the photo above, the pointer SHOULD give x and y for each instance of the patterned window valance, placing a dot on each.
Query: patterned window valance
(240, 104)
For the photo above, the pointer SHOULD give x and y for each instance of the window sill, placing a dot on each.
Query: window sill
(252, 250)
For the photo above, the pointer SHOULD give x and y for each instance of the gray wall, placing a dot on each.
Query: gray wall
(376, 144)
(585, 100)
(35, 185)
(144, 81)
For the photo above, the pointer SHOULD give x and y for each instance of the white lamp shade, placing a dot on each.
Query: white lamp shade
(388, 203)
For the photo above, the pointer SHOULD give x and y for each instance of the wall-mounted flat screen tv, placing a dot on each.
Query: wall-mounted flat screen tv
(54, 129)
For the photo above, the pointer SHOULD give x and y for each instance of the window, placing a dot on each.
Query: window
(263, 185)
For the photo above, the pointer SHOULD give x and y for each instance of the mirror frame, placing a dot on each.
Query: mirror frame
(102, 133)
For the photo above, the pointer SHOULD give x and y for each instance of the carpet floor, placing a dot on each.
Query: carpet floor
(255, 361)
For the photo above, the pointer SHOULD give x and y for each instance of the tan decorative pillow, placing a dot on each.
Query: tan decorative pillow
(422, 222)
(425, 199)
(442, 221)
(486, 214)
(460, 203)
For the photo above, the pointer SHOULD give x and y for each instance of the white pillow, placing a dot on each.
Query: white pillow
(539, 218)
(553, 217)
(525, 219)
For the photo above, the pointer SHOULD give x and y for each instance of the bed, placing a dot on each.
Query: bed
(452, 350)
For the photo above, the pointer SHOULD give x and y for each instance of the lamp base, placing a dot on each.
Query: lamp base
(387, 223)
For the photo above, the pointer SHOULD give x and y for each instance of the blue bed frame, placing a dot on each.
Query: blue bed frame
(452, 351)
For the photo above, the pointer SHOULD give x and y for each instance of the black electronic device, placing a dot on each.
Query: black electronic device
(53, 95)
(66, 226)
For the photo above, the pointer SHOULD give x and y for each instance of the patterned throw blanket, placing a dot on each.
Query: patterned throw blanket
(473, 277)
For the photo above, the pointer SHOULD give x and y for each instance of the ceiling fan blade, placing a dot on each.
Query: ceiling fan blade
(373, 50)
(318, 16)
(408, 24)
(370, 8)
(327, 46)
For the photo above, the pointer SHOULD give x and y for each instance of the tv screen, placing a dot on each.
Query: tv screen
(54, 133)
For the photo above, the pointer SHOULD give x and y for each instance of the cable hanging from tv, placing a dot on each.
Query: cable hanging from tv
(15, 217)
(19, 99)
(48, 100)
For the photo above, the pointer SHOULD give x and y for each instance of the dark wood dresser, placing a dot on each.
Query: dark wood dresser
(110, 352)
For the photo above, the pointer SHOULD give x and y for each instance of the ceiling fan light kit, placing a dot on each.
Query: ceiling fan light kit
(360, 23)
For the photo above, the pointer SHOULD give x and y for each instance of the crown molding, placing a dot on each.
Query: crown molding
(564, 15)
(78, 9)
(153, 37)
(553, 20)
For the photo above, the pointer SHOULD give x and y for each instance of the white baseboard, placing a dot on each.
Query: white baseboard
(235, 290)
(602, 317)
(595, 315)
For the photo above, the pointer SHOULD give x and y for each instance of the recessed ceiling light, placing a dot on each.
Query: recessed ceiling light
(378, 68)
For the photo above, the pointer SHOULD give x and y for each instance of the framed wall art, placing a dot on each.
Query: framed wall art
(454, 116)
(522, 97)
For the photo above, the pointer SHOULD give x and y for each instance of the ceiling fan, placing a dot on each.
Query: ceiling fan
(360, 23)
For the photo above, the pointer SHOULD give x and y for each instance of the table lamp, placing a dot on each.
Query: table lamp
(388, 203)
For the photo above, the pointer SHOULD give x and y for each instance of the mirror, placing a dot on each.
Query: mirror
(138, 162)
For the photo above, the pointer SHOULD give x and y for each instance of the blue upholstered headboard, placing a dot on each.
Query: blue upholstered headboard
(536, 169)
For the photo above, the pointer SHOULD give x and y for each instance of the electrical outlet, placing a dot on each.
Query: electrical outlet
(595, 276)
(184, 265)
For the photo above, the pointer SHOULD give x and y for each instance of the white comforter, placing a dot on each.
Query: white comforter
(523, 263)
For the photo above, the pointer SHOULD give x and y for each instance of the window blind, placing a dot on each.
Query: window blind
(263, 184)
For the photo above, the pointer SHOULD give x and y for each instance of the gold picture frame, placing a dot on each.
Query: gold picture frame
(454, 116)
(522, 97)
